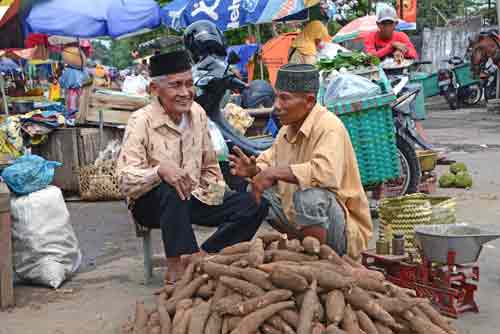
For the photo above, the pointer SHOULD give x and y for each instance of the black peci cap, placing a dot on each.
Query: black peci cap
(170, 63)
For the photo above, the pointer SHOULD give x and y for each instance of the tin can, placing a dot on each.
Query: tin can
(398, 244)
(382, 247)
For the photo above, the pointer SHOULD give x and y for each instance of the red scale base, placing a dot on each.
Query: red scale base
(450, 286)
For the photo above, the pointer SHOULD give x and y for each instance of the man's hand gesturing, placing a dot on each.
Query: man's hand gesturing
(242, 165)
(177, 178)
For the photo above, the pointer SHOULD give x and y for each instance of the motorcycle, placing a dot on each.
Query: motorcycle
(407, 138)
(213, 78)
(457, 90)
(488, 80)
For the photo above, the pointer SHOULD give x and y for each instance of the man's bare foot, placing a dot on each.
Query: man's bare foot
(187, 259)
(175, 269)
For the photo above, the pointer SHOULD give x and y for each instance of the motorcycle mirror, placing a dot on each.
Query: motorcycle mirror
(233, 58)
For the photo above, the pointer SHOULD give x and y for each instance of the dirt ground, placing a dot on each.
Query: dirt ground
(100, 297)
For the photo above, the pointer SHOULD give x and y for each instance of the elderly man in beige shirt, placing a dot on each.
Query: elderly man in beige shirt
(169, 172)
(311, 168)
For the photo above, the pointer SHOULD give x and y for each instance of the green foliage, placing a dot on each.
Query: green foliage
(101, 53)
(163, 2)
(120, 54)
(348, 60)
(447, 180)
(463, 180)
(458, 167)
(236, 36)
(427, 16)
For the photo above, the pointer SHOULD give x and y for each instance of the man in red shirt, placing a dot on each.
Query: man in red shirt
(387, 42)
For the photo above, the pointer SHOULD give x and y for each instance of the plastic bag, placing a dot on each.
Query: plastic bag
(238, 117)
(349, 86)
(29, 173)
(330, 50)
(111, 152)
(46, 250)
(218, 142)
(135, 85)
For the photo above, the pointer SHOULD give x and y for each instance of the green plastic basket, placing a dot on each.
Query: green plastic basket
(464, 75)
(429, 82)
(371, 129)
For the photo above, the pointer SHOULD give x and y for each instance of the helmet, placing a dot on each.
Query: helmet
(203, 38)
(493, 33)
(259, 94)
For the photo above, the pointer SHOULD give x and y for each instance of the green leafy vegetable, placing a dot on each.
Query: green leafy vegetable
(347, 60)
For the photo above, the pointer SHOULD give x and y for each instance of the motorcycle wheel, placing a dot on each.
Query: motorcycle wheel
(411, 174)
(475, 93)
(490, 93)
(452, 98)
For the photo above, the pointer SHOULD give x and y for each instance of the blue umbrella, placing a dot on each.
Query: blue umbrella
(8, 65)
(92, 18)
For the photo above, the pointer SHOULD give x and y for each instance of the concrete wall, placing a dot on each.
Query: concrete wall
(445, 42)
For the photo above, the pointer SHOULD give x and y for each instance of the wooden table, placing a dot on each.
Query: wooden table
(6, 275)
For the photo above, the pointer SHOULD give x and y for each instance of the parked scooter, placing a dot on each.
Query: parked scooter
(213, 78)
(457, 91)
(488, 80)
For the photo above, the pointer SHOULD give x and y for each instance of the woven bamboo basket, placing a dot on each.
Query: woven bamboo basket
(99, 183)
(402, 214)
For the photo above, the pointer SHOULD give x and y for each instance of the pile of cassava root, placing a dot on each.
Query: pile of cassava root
(277, 286)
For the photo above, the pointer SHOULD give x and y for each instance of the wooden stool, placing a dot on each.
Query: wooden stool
(145, 234)
(6, 272)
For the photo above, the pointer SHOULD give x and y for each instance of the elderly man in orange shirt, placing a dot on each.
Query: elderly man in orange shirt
(310, 175)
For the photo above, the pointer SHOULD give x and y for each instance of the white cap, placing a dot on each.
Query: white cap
(387, 13)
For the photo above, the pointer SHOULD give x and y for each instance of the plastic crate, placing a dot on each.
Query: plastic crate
(370, 125)
(463, 75)
(429, 82)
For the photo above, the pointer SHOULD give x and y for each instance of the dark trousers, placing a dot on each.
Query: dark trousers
(237, 219)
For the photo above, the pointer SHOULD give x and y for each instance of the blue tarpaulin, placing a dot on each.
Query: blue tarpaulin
(245, 52)
(92, 18)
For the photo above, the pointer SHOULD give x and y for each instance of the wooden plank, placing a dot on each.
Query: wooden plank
(84, 103)
(260, 112)
(74, 148)
(6, 274)
(110, 116)
(105, 101)
(62, 146)
(88, 143)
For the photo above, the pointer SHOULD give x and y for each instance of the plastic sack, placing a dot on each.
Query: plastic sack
(238, 117)
(218, 142)
(349, 86)
(135, 85)
(46, 250)
(29, 173)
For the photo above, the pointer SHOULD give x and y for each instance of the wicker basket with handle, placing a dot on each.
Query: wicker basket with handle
(99, 182)
(402, 214)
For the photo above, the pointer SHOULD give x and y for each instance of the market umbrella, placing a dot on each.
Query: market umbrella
(230, 14)
(92, 18)
(361, 27)
(8, 65)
